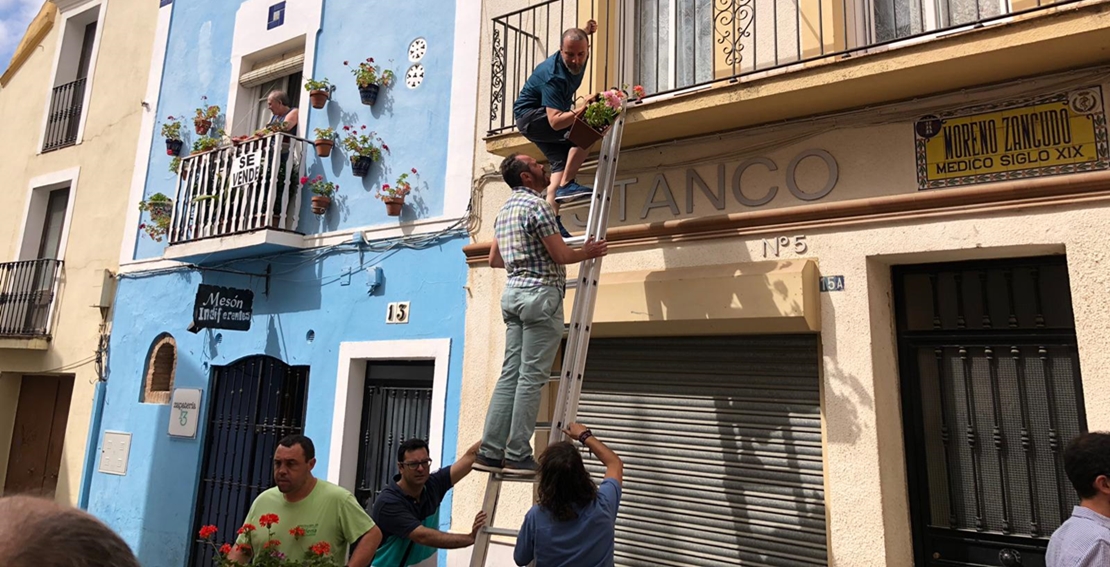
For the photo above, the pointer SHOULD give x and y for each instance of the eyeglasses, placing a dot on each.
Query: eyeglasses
(413, 465)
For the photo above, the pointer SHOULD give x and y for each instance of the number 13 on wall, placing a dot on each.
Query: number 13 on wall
(397, 312)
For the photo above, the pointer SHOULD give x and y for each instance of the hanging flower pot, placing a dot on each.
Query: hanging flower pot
(369, 94)
(583, 135)
(202, 127)
(361, 165)
(320, 204)
(323, 147)
(318, 98)
(393, 205)
(173, 147)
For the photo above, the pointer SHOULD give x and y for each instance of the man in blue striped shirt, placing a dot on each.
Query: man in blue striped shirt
(1084, 539)
(528, 245)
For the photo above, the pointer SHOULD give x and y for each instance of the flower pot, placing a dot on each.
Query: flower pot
(202, 126)
(393, 205)
(323, 147)
(320, 204)
(583, 135)
(173, 147)
(361, 165)
(369, 94)
(318, 98)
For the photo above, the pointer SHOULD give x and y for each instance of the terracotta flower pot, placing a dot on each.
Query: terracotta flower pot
(202, 126)
(361, 165)
(323, 147)
(393, 205)
(173, 147)
(320, 204)
(369, 94)
(318, 98)
(583, 135)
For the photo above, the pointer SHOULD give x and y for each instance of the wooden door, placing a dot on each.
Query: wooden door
(35, 457)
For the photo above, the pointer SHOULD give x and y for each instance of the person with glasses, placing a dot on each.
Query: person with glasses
(407, 511)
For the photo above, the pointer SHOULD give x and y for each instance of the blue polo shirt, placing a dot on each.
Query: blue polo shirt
(401, 514)
(586, 541)
(551, 86)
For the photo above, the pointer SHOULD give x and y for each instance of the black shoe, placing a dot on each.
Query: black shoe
(562, 229)
(524, 468)
(484, 463)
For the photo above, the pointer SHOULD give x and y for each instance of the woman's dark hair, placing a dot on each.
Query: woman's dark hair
(565, 486)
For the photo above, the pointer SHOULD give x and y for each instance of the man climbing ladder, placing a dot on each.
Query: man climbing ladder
(527, 244)
(543, 115)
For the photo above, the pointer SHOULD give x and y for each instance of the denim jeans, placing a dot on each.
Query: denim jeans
(533, 328)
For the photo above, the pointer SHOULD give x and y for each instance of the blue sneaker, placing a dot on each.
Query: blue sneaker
(562, 229)
(572, 192)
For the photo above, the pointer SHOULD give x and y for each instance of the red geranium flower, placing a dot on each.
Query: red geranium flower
(414, 170)
(268, 520)
(271, 543)
(322, 548)
(304, 179)
(297, 532)
(247, 528)
(207, 532)
(225, 549)
(242, 547)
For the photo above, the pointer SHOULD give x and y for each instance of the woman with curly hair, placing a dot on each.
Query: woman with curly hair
(572, 524)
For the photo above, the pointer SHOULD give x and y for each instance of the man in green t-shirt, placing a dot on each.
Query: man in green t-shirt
(304, 515)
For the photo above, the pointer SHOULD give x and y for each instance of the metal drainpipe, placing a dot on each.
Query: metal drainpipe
(94, 424)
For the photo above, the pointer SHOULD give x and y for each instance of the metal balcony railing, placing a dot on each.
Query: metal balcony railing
(678, 45)
(66, 104)
(240, 188)
(27, 297)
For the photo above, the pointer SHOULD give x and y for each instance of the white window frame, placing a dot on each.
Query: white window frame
(34, 212)
(351, 384)
(70, 9)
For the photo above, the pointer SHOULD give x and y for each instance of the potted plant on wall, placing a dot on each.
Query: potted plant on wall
(370, 78)
(160, 209)
(205, 144)
(591, 125)
(321, 193)
(171, 131)
(204, 117)
(318, 91)
(325, 141)
(394, 196)
(362, 149)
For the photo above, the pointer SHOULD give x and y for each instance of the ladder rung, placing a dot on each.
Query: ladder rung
(500, 531)
(575, 241)
(510, 477)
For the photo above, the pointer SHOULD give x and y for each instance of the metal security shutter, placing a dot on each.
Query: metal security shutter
(273, 69)
(721, 442)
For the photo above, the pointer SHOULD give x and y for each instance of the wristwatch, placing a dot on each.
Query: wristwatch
(584, 436)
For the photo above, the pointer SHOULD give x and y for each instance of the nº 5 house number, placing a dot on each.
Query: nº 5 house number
(775, 246)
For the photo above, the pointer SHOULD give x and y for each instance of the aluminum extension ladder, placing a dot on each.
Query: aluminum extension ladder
(578, 337)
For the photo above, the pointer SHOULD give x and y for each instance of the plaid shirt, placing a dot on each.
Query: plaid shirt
(521, 225)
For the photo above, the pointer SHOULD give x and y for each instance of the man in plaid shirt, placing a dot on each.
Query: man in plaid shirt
(528, 245)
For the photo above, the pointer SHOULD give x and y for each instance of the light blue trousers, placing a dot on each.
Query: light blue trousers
(533, 328)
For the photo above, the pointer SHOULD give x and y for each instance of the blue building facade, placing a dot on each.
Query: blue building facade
(347, 326)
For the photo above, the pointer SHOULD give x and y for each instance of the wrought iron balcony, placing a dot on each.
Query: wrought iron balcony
(670, 46)
(27, 291)
(66, 104)
(246, 187)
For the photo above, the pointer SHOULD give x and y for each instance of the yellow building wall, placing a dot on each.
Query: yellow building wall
(105, 156)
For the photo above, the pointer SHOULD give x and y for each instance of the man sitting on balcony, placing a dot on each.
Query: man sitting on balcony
(543, 114)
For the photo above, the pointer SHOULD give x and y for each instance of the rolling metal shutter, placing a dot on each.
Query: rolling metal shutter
(721, 442)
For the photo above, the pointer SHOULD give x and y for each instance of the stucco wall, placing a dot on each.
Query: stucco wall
(413, 123)
(152, 507)
(104, 156)
(866, 493)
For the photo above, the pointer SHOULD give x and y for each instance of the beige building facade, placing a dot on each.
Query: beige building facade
(72, 102)
(854, 303)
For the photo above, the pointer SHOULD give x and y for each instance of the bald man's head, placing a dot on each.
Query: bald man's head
(35, 532)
